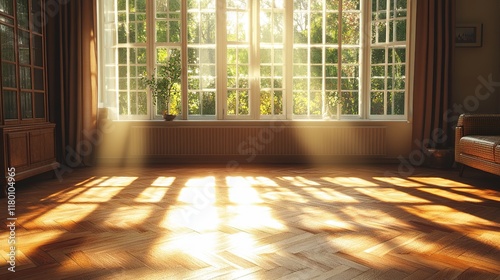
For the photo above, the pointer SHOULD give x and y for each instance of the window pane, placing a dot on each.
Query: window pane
(237, 80)
(39, 81)
(9, 75)
(22, 14)
(26, 105)
(388, 71)
(6, 7)
(7, 39)
(10, 104)
(168, 21)
(168, 75)
(37, 51)
(36, 13)
(25, 77)
(24, 47)
(377, 103)
(39, 105)
(350, 103)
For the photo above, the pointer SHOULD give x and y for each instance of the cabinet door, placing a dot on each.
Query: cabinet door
(17, 145)
(41, 145)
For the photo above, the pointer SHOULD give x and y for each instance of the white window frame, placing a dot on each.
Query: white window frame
(254, 83)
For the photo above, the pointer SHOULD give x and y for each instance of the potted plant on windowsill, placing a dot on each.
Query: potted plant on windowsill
(163, 83)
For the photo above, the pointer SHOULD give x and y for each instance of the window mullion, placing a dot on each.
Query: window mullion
(150, 51)
(339, 65)
(184, 60)
(288, 60)
(117, 67)
(221, 49)
(324, 67)
(254, 79)
(365, 73)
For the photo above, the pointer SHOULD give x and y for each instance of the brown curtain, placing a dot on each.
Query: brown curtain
(434, 45)
(72, 53)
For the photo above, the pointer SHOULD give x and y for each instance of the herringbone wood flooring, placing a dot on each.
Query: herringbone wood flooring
(257, 222)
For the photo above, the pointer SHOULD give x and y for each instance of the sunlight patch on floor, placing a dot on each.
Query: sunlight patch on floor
(197, 218)
(349, 182)
(267, 182)
(450, 217)
(400, 182)
(198, 192)
(439, 182)
(163, 181)
(450, 195)
(284, 194)
(95, 181)
(118, 181)
(97, 194)
(391, 195)
(136, 216)
(298, 181)
(252, 217)
(151, 194)
(62, 213)
(241, 191)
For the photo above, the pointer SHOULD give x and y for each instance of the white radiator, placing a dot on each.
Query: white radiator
(266, 140)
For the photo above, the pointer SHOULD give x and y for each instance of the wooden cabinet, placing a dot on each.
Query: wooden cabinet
(27, 138)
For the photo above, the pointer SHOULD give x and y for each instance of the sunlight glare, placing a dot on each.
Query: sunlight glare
(253, 217)
(194, 217)
(241, 191)
(243, 244)
(264, 181)
(198, 191)
(186, 247)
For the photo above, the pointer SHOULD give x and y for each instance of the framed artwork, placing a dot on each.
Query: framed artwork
(469, 35)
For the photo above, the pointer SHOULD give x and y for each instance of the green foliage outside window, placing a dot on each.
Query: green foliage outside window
(319, 87)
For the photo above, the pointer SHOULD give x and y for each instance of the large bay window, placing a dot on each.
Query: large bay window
(258, 59)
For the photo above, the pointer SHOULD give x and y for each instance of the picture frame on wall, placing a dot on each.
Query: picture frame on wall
(469, 35)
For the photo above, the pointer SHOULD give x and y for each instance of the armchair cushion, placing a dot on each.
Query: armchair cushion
(480, 146)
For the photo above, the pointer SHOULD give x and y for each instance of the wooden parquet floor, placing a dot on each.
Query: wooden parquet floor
(256, 222)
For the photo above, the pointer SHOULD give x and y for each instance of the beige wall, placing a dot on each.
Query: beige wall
(474, 66)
